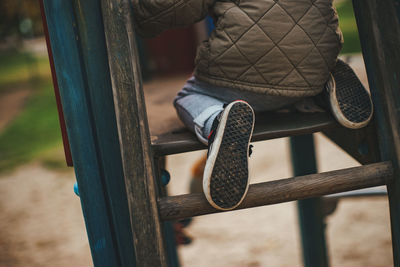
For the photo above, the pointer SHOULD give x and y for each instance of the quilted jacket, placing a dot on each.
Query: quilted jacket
(276, 47)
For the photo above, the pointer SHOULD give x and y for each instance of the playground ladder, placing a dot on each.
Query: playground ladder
(117, 156)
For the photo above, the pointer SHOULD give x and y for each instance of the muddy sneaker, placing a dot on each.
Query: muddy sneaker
(350, 102)
(226, 174)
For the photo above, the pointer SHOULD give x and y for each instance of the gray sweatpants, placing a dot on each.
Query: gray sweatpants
(199, 103)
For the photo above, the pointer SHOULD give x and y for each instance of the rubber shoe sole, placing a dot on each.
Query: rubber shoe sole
(226, 174)
(350, 102)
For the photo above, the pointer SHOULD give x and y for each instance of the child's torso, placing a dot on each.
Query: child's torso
(283, 48)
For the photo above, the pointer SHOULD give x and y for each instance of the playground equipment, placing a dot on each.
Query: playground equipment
(118, 157)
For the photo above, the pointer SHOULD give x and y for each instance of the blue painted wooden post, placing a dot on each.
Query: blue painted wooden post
(80, 56)
(311, 219)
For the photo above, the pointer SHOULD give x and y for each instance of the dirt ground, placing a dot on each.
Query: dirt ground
(41, 222)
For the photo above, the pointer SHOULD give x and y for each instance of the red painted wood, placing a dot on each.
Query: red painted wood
(67, 150)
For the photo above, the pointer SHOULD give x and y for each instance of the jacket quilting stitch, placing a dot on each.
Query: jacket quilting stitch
(276, 47)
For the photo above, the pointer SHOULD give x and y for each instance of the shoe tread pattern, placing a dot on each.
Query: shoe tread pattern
(229, 177)
(353, 99)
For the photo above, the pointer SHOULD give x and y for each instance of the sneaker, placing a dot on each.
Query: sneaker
(350, 102)
(226, 174)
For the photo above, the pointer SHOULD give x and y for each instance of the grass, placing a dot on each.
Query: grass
(348, 26)
(17, 67)
(35, 131)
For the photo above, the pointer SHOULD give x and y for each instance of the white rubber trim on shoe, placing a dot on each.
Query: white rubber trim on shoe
(199, 134)
(214, 153)
(337, 112)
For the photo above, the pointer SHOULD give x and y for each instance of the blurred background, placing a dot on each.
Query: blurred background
(41, 223)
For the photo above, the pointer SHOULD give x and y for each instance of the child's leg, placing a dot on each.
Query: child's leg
(225, 180)
(197, 112)
(198, 104)
(206, 109)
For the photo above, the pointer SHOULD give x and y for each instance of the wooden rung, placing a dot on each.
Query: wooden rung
(284, 190)
(166, 140)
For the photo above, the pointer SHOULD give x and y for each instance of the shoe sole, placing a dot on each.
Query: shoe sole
(226, 174)
(350, 102)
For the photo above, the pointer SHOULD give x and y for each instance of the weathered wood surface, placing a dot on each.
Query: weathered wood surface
(167, 227)
(362, 144)
(274, 192)
(175, 139)
(72, 83)
(134, 137)
(379, 29)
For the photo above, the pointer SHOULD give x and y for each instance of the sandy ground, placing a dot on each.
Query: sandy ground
(41, 222)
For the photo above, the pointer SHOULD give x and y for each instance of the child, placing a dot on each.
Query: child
(263, 55)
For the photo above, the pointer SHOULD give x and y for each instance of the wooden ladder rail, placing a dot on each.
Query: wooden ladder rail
(116, 22)
(79, 48)
(80, 58)
(284, 190)
(134, 135)
(378, 24)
